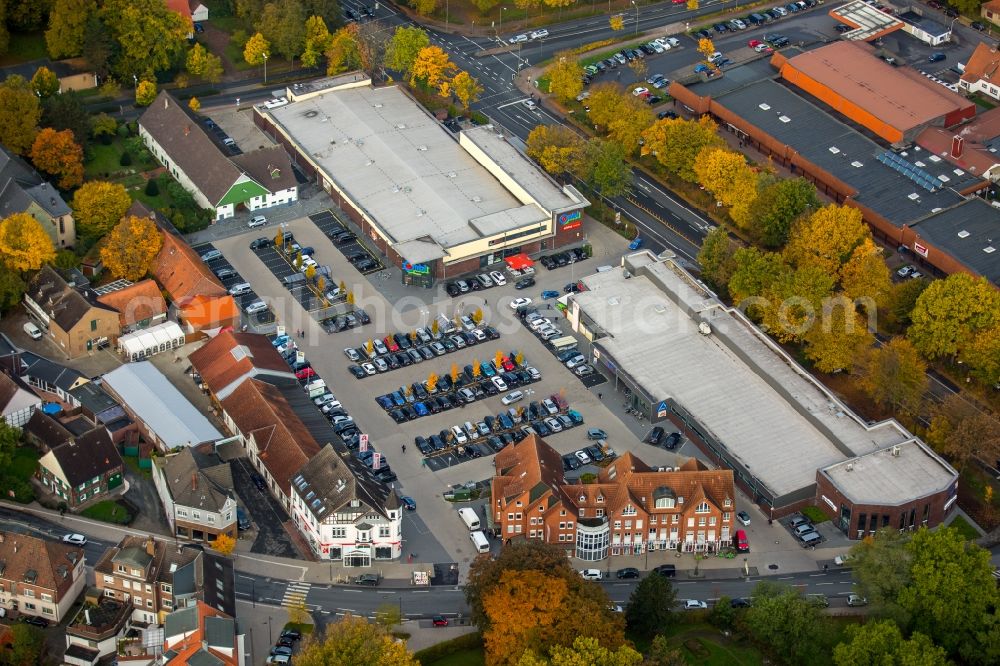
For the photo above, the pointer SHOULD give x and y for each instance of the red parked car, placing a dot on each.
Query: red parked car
(440, 621)
(390, 344)
(305, 373)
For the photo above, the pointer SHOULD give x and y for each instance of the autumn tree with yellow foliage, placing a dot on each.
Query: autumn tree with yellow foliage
(343, 52)
(565, 78)
(131, 247)
(556, 148)
(432, 68)
(145, 93)
(224, 544)
(730, 179)
(99, 205)
(676, 143)
(353, 641)
(622, 116)
(24, 245)
(617, 22)
(466, 88)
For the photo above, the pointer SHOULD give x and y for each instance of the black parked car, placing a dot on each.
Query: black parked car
(666, 570)
(655, 436)
(628, 572)
(258, 481)
(524, 283)
(673, 439)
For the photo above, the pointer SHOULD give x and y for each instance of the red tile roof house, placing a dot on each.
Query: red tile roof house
(629, 509)
(252, 181)
(982, 72)
(229, 359)
(40, 577)
(140, 305)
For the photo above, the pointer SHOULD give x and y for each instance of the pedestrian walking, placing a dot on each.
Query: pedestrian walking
(600, 396)
(486, 303)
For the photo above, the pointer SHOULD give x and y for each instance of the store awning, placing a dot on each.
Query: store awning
(519, 261)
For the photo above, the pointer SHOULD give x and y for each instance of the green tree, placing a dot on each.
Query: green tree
(10, 437)
(557, 148)
(662, 654)
(717, 258)
(865, 276)
(405, 45)
(893, 375)
(353, 641)
(11, 288)
(881, 568)
(27, 15)
(776, 208)
(754, 271)
(676, 142)
(963, 431)
(256, 50)
(67, 27)
(283, 24)
(67, 112)
(586, 651)
(102, 125)
(723, 615)
(901, 300)
(148, 37)
(196, 60)
(27, 645)
(328, 10)
(794, 302)
(951, 312)
(650, 608)
(837, 338)
(787, 623)
(20, 112)
(97, 47)
(604, 168)
(565, 77)
(45, 83)
(952, 589)
(882, 643)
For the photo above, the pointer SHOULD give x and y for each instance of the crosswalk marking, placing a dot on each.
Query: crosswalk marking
(295, 594)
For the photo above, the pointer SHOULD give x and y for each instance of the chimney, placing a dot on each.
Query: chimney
(957, 142)
(150, 546)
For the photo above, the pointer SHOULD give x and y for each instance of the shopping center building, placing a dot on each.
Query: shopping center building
(431, 200)
(688, 361)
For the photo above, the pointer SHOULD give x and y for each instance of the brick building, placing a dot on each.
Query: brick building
(39, 576)
(198, 501)
(73, 319)
(630, 509)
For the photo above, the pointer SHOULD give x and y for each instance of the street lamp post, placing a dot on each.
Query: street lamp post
(135, 79)
(447, 8)
(634, 4)
(500, 27)
(265, 67)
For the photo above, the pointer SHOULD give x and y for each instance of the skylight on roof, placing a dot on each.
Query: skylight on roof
(963, 234)
(934, 158)
(989, 249)
(784, 119)
(958, 172)
(834, 150)
(856, 164)
(913, 197)
(943, 178)
(764, 106)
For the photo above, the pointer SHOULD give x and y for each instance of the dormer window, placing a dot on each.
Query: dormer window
(629, 510)
(583, 498)
(727, 503)
(600, 498)
(664, 498)
(702, 508)
(665, 503)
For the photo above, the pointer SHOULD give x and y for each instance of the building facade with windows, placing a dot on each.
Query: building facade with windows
(343, 512)
(198, 501)
(72, 318)
(630, 508)
(40, 577)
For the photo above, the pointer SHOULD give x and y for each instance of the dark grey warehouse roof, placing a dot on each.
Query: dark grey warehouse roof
(970, 232)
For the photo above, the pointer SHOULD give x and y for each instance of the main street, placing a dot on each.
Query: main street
(422, 602)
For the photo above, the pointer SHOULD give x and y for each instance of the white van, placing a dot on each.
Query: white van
(239, 289)
(33, 331)
(469, 517)
(479, 541)
(564, 343)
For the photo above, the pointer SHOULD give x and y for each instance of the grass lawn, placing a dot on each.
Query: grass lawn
(108, 511)
(702, 650)
(963, 526)
(103, 159)
(24, 47)
(815, 515)
(24, 464)
(470, 657)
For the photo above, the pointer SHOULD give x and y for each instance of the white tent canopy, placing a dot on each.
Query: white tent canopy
(151, 341)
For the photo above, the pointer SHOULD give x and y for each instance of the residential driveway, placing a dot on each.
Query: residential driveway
(265, 512)
(142, 493)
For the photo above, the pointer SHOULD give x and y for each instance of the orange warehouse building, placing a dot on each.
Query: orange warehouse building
(894, 103)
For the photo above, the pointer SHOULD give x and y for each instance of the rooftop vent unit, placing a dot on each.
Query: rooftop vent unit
(377, 105)
(477, 198)
(784, 119)
(943, 178)
(989, 249)
(834, 149)
(963, 234)
(895, 451)
(400, 126)
(764, 106)
(856, 164)
(421, 148)
(913, 196)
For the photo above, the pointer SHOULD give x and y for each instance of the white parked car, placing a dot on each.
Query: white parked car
(498, 277)
(368, 368)
(591, 574)
(553, 424)
(575, 361)
(529, 104)
(75, 539)
(694, 604)
(583, 457)
(511, 397)
(257, 221)
(519, 303)
(499, 383)
(459, 434)
(550, 407)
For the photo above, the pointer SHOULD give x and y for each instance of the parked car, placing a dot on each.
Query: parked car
(627, 572)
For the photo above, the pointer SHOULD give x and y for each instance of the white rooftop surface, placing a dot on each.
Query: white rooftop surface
(398, 164)
(660, 346)
(524, 172)
(153, 337)
(151, 396)
(882, 478)
(871, 20)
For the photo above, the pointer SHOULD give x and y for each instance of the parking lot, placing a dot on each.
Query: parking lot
(328, 222)
(424, 484)
(229, 276)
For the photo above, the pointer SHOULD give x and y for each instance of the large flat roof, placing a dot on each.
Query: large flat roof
(151, 397)
(653, 339)
(408, 173)
(892, 476)
(846, 153)
(970, 232)
(898, 96)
